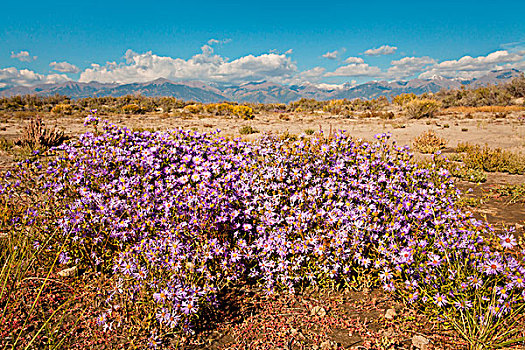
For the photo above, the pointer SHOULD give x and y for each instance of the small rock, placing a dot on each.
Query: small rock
(420, 341)
(318, 311)
(390, 314)
(68, 272)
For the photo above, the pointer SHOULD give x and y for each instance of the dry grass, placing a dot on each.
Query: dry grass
(486, 109)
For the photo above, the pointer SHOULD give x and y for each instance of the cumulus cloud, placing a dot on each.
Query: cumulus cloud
(355, 70)
(64, 67)
(408, 66)
(23, 56)
(473, 67)
(333, 55)
(354, 60)
(24, 77)
(382, 50)
(207, 66)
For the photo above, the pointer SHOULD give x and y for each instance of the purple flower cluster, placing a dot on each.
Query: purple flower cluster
(180, 215)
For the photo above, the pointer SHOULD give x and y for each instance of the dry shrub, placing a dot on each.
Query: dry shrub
(36, 135)
(429, 142)
(491, 160)
(421, 108)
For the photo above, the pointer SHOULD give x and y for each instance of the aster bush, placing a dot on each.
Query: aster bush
(176, 217)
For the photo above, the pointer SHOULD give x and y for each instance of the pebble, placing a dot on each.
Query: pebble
(68, 272)
(390, 314)
(420, 342)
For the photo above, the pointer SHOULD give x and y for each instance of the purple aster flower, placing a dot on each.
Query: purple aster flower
(172, 320)
(463, 304)
(188, 307)
(434, 260)
(440, 300)
(508, 241)
(492, 267)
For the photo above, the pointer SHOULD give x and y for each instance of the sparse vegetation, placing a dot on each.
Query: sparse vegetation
(487, 159)
(421, 108)
(513, 193)
(429, 142)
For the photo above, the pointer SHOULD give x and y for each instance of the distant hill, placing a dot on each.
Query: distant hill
(258, 92)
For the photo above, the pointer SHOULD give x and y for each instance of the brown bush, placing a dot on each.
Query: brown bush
(36, 135)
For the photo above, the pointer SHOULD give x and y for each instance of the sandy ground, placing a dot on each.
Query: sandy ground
(507, 133)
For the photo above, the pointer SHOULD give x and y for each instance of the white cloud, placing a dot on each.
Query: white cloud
(314, 73)
(382, 50)
(355, 70)
(333, 55)
(24, 77)
(473, 67)
(23, 56)
(205, 66)
(216, 41)
(354, 60)
(408, 66)
(64, 67)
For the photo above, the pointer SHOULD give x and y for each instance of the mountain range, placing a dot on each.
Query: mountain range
(259, 92)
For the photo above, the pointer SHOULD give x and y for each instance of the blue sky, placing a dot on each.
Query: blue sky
(289, 42)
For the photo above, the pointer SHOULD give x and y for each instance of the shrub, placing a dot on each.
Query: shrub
(194, 108)
(309, 131)
(491, 160)
(429, 142)
(62, 108)
(36, 135)
(244, 112)
(178, 217)
(247, 130)
(131, 109)
(421, 108)
(224, 109)
(404, 99)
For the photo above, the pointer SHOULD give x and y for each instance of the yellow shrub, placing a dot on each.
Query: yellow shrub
(62, 108)
(403, 99)
(244, 112)
(194, 109)
(225, 109)
(131, 109)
